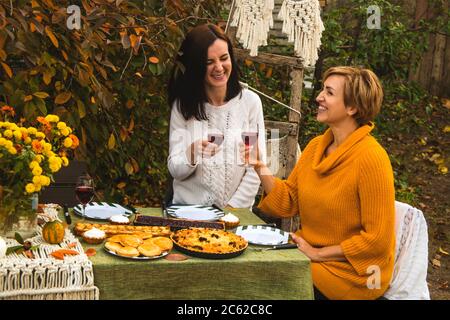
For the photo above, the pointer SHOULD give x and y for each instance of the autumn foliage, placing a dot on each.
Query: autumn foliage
(106, 79)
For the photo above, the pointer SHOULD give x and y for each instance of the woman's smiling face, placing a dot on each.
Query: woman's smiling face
(331, 106)
(218, 65)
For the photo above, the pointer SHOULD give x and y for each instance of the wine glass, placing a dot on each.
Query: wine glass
(84, 191)
(250, 138)
(215, 137)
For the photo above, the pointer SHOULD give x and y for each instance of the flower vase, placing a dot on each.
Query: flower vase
(18, 214)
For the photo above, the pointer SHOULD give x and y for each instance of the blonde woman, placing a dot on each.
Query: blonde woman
(343, 189)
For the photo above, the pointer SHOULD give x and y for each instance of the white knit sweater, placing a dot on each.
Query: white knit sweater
(219, 180)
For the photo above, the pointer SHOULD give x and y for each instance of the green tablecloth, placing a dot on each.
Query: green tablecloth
(272, 274)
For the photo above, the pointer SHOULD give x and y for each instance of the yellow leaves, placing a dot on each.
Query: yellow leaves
(52, 37)
(129, 104)
(28, 98)
(123, 134)
(63, 97)
(248, 62)
(34, 4)
(153, 59)
(64, 54)
(81, 109)
(3, 55)
(139, 31)
(269, 72)
(111, 142)
(47, 77)
(32, 27)
(131, 166)
(443, 251)
(423, 141)
(7, 69)
(446, 103)
(135, 42)
(139, 75)
(443, 169)
(41, 94)
(121, 185)
(446, 129)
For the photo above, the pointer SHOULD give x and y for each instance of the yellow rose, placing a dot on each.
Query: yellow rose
(65, 131)
(37, 180)
(8, 133)
(61, 125)
(37, 187)
(17, 134)
(36, 171)
(39, 158)
(55, 167)
(68, 142)
(45, 181)
(40, 135)
(65, 161)
(52, 118)
(12, 150)
(27, 140)
(29, 188)
(33, 164)
(2, 142)
(32, 130)
(8, 144)
(47, 147)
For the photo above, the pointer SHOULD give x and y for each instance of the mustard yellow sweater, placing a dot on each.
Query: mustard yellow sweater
(344, 199)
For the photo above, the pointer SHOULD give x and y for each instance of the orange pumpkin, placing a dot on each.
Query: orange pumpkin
(53, 232)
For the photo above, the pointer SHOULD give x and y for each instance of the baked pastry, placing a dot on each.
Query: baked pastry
(94, 236)
(111, 229)
(149, 250)
(162, 242)
(112, 246)
(119, 219)
(209, 240)
(128, 240)
(127, 251)
(230, 220)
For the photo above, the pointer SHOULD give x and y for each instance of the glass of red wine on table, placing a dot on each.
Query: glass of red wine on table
(84, 190)
(250, 139)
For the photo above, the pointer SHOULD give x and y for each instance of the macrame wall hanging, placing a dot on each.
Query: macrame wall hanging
(301, 22)
(253, 19)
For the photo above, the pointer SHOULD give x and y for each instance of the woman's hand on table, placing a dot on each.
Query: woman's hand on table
(330, 253)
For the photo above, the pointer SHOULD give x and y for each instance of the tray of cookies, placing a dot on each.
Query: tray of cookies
(138, 247)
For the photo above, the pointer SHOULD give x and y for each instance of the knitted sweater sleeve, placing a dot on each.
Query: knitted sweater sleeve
(282, 201)
(244, 196)
(179, 140)
(376, 240)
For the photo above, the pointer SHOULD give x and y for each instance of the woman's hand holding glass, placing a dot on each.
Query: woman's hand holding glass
(202, 148)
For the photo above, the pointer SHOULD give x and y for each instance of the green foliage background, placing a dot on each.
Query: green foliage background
(100, 80)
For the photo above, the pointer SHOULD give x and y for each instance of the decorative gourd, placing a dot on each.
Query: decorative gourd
(53, 232)
(2, 248)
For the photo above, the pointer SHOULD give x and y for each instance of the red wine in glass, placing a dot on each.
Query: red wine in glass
(84, 194)
(84, 191)
(216, 138)
(249, 138)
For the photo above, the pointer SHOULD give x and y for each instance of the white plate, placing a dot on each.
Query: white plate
(163, 254)
(194, 212)
(263, 235)
(102, 210)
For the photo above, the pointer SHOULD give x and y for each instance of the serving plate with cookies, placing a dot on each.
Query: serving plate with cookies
(138, 247)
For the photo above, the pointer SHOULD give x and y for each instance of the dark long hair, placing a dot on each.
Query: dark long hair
(187, 81)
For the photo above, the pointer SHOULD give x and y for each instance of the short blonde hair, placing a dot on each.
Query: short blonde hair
(362, 90)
